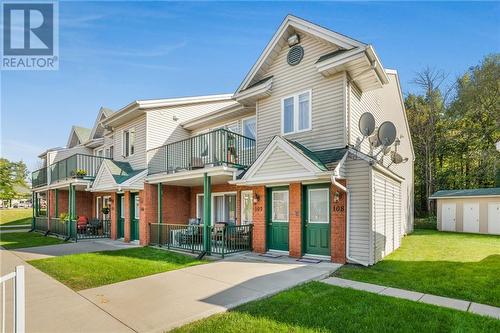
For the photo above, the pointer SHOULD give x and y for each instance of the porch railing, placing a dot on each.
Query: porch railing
(94, 229)
(69, 167)
(39, 177)
(223, 239)
(208, 149)
(72, 229)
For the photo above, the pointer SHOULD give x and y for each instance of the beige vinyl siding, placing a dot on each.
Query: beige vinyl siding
(104, 180)
(385, 105)
(138, 159)
(358, 182)
(64, 153)
(163, 129)
(279, 163)
(386, 215)
(328, 97)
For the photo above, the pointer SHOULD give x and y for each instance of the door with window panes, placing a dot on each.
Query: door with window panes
(134, 216)
(121, 216)
(316, 219)
(277, 218)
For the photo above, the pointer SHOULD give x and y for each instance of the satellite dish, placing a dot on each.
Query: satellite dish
(396, 158)
(374, 141)
(386, 133)
(366, 124)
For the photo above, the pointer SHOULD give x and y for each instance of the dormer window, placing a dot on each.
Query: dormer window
(128, 142)
(296, 113)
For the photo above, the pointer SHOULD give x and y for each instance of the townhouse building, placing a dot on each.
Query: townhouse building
(281, 165)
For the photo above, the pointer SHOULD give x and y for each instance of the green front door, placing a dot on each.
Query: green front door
(134, 216)
(277, 218)
(121, 216)
(316, 218)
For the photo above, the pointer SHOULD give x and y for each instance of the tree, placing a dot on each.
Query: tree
(12, 175)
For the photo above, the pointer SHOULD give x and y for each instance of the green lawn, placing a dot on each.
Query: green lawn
(458, 265)
(317, 307)
(89, 270)
(15, 216)
(16, 240)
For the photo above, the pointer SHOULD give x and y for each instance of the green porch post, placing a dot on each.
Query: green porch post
(33, 210)
(207, 212)
(159, 208)
(56, 210)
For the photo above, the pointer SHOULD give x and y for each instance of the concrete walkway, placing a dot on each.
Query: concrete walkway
(83, 246)
(481, 309)
(167, 300)
(52, 307)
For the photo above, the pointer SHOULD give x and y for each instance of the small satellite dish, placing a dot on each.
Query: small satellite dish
(386, 133)
(396, 158)
(366, 124)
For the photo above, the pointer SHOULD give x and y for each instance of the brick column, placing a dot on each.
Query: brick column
(148, 203)
(113, 210)
(126, 199)
(338, 224)
(259, 220)
(295, 220)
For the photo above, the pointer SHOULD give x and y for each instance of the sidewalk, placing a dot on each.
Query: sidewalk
(457, 304)
(52, 307)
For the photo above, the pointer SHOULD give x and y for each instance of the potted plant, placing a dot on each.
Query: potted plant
(79, 173)
(64, 217)
(105, 210)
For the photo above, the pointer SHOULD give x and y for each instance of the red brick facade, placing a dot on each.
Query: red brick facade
(295, 220)
(148, 205)
(259, 219)
(338, 224)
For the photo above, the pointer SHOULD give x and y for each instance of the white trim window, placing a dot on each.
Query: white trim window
(279, 206)
(249, 127)
(99, 152)
(246, 207)
(318, 204)
(296, 113)
(136, 207)
(128, 142)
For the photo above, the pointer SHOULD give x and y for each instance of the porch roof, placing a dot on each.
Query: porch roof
(475, 192)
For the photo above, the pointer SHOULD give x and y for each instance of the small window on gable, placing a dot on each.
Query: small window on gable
(296, 113)
(128, 142)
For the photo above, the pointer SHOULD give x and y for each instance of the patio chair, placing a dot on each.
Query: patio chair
(94, 226)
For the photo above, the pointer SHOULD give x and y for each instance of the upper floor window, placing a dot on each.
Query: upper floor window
(128, 142)
(109, 152)
(99, 153)
(249, 127)
(296, 113)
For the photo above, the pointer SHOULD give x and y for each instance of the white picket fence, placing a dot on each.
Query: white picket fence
(18, 300)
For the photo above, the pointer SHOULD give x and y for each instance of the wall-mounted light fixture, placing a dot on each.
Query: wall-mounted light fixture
(256, 198)
(336, 196)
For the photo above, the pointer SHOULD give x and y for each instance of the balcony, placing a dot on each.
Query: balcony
(219, 147)
(76, 166)
(39, 177)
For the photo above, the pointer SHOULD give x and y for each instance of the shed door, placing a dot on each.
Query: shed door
(494, 218)
(448, 217)
(471, 217)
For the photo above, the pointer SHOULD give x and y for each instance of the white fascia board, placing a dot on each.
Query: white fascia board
(183, 175)
(340, 59)
(379, 68)
(387, 172)
(284, 179)
(339, 165)
(296, 22)
(263, 89)
(213, 115)
(466, 196)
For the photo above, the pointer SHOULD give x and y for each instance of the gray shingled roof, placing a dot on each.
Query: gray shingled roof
(82, 133)
(492, 191)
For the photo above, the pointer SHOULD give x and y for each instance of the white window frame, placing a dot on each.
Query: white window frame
(243, 125)
(126, 150)
(296, 113)
(106, 198)
(122, 207)
(242, 202)
(287, 220)
(137, 207)
(216, 194)
(101, 151)
(327, 190)
(97, 210)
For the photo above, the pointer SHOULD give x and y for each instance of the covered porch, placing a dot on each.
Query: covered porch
(71, 212)
(198, 211)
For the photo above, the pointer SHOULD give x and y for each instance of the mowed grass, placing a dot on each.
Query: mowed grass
(15, 216)
(457, 265)
(17, 240)
(90, 270)
(318, 307)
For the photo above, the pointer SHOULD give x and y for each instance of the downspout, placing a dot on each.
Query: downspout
(348, 221)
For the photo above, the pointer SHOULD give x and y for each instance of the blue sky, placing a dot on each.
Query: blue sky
(112, 53)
